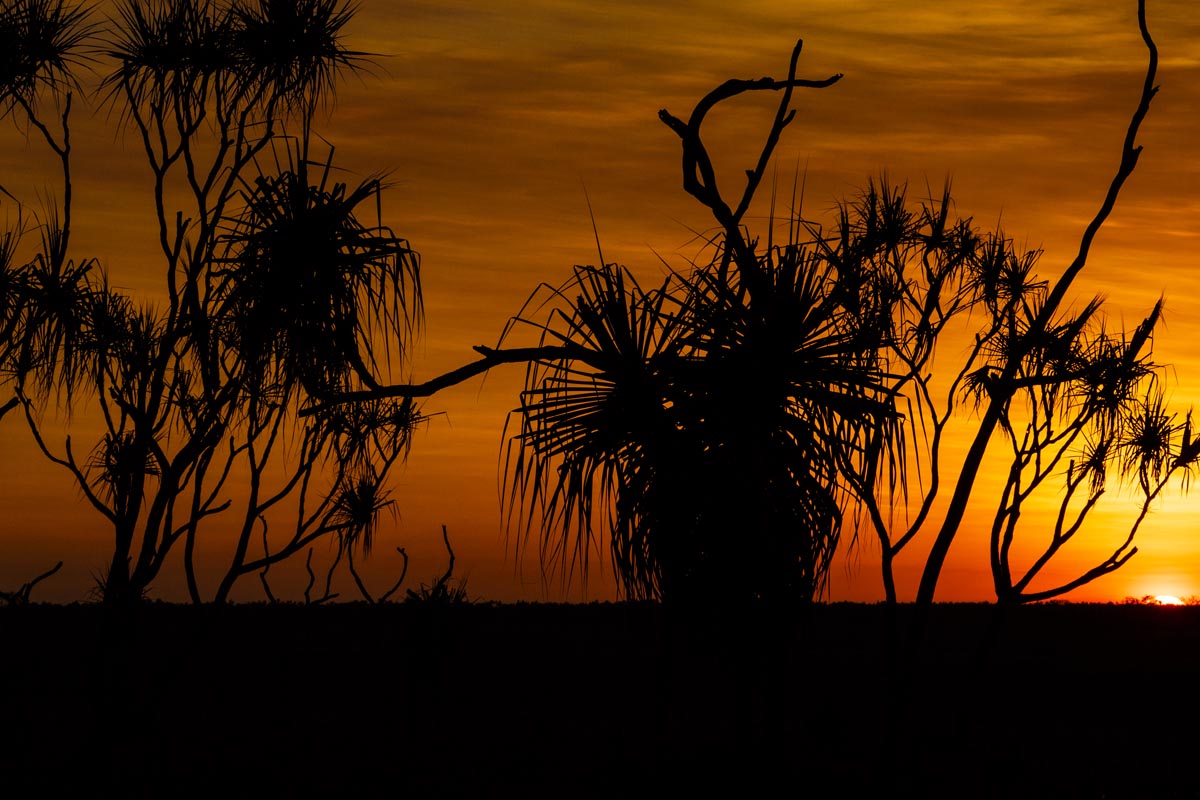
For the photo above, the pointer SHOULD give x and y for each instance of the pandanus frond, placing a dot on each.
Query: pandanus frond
(118, 463)
(14, 289)
(789, 391)
(364, 441)
(705, 429)
(372, 432)
(169, 50)
(307, 289)
(586, 427)
(41, 46)
(291, 50)
(1002, 277)
(57, 342)
(357, 505)
(1149, 440)
(75, 332)
(284, 54)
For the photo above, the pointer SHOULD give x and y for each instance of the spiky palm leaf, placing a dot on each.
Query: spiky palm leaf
(1147, 444)
(272, 54)
(357, 506)
(590, 432)
(788, 392)
(56, 338)
(118, 463)
(704, 428)
(307, 290)
(13, 296)
(41, 43)
(369, 433)
(169, 50)
(291, 50)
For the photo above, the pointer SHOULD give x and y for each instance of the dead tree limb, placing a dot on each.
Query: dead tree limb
(440, 591)
(362, 587)
(699, 176)
(21, 596)
(449, 550)
(492, 357)
(399, 582)
(312, 580)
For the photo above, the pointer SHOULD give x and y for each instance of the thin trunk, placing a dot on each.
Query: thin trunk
(889, 578)
(958, 506)
(962, 491)
(116, 586)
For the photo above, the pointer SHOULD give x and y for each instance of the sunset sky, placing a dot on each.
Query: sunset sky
(493, 123)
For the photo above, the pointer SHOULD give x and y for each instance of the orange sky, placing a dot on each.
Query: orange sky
(492, 123)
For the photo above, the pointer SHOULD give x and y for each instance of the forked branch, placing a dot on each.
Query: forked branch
(699, 176)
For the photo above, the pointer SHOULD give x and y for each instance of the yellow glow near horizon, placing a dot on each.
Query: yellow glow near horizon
(1167, 600)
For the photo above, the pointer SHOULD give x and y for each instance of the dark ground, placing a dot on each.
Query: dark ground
(598, 701)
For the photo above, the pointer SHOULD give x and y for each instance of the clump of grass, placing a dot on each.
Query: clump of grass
(442, 591)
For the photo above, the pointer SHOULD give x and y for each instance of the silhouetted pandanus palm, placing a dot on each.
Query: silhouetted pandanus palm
(705, 423)
(305, 293)
(724, 427)
(705, 427)
(276, 290)
(721, 429)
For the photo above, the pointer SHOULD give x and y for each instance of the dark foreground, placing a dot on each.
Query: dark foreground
(598, 701)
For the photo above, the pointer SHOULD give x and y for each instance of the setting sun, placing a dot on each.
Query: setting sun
(1167, 600)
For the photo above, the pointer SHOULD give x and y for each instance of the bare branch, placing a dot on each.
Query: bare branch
(492, 357)
(21, 596)
(400, 581)
(695, 156)
(362, 588)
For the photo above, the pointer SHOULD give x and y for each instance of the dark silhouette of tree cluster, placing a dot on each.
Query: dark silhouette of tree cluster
(277, 287)
(723, 427)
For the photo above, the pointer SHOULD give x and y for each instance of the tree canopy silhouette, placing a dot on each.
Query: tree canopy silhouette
(722, 428)
(277, 286)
